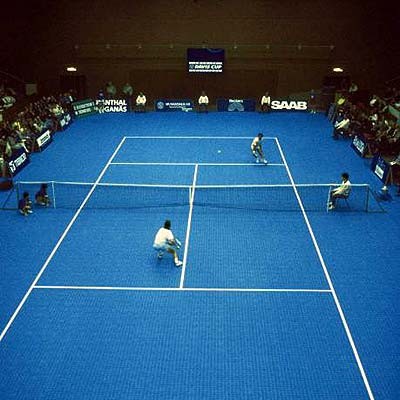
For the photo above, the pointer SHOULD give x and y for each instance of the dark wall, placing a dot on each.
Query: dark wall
(144, 42)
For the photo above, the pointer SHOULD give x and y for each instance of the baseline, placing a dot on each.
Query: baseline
(201, 137)
(179, 289)
(201, 164)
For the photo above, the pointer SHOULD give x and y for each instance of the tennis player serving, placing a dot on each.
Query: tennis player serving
(257, 150)
(165, 241)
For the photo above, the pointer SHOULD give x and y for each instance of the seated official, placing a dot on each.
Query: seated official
(141, 102)
(203, 102)
(266, 102)
(342, 192)
(341, 127)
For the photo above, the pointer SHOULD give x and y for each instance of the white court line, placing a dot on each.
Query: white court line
(327, 276)
(201, 137)
(179, 289)
(60, 240)
(189, 223)
(201, 164)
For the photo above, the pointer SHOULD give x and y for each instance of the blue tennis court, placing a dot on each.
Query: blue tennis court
(276, 299)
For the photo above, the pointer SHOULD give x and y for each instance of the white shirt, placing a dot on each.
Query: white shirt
(266, 100)
(343, 124)
(141, 100)
(396, 160)
(255, 143)
(344, 188)
(203, 100)
(163, 236)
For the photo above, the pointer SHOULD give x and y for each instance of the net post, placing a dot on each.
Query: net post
(18, 193)
(53, 194)
(327, 200)
(367, 199)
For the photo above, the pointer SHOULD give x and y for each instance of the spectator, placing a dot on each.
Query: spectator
(266, 102)
(313, 102)
(111, 90)
(3, 166)
(203, 102)
(341, 126)
(127, 90)
(100, 101)
(128, 93)
(373, 122)
(141, 102)
(25, 205)
(41, 197)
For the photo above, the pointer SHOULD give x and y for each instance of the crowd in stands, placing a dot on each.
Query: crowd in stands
(8, 96)
(21, 130)
(373, 121)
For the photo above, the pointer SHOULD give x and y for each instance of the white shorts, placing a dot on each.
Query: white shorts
(162, 247)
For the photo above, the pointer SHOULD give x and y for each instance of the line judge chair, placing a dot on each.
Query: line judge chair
(344, 200)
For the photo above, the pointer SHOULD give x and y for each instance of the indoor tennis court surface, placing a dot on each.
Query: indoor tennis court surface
(276, 299)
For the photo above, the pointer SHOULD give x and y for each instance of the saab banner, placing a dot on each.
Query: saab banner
(84, 108)
(236, 105)
(173, 105)
(19, 160)
(289, 105)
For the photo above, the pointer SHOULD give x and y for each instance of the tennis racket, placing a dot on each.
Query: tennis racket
(178, 243)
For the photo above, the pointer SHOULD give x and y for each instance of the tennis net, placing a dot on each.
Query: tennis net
(313, 197)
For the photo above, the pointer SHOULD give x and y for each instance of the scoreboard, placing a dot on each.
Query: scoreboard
(205, 60)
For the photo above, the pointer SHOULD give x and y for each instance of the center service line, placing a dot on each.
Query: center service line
(189, 223)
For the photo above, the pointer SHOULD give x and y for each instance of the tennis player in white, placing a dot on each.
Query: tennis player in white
(165, 241)
(257, 150)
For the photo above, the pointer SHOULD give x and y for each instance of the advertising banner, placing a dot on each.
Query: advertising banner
(380, 168)
(359, 146)
(84, 108)
(289, 105)
(112, 105)
(43, 140)
(236, 105)
(65, 121)
(202, 60)
(173, 105)
(19, 160)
